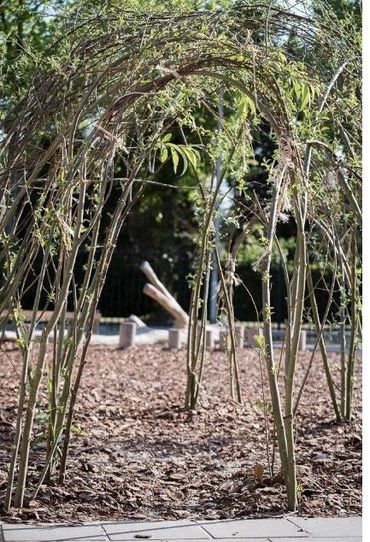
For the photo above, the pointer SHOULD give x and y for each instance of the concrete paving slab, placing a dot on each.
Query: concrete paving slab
(290, 529)
(342, 539)
(196, 539)
(330, 527)
(253, 528)
(54, 533)
(155, 530)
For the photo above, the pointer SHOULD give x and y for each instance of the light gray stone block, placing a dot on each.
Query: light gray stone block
(224, 340)
(158, 530)
(330, 527)
(210, 339)
(290, 529)
(345, 539)
(239, 331)
(174, 339)
(302, 346)
(199, 540)
(54, 533)
(88, 539)
(253, 528)
(127, 334)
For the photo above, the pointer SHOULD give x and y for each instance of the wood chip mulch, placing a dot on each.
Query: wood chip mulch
(137, 454)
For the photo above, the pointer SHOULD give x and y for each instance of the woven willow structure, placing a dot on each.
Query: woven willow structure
(82, 143)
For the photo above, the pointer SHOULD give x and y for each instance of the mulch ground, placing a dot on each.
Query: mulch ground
(137, 454)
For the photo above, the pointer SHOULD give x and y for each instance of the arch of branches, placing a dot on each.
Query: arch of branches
(93, 130)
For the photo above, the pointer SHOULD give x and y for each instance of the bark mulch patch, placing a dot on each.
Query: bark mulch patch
(136, 454)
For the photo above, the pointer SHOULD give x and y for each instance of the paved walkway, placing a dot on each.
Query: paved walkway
(289, 529)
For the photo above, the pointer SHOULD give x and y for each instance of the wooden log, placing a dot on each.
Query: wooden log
(136, 320)
(149, 272)
(168, 303)
(157, 291)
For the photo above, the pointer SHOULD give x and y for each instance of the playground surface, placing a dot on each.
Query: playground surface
(137, 454)
(288, 529)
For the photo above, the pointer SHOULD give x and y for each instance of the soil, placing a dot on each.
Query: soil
(137, 454)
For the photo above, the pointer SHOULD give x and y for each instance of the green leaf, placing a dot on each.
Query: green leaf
(21, 342)
(259, 341)
(42, 417)
(166, 138)
(77, 430)
(297, 88)
(175, 158)
(251, 104)
(305, 95)
(245, 105)
(184, 158)
(193, 155)
(281, 57)
(163, 154)
(190, 154)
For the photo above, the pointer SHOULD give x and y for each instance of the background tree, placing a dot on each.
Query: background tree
(28, 28)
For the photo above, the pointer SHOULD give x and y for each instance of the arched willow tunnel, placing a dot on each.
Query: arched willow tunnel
(93, 131)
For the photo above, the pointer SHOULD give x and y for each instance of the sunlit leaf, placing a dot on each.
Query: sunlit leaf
(166, 138)
(175, 158)
(163, 154)
(305, 96)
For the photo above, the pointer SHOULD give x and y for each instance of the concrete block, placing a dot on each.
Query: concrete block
(174, 339)
(224, 340)
(210, 339)
(302, 346)
(239, 335)
(335, 539)
(127, 333)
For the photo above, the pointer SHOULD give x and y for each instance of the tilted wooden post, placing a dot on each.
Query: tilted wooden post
(157, 291)
(167, 303)
(150, 274)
